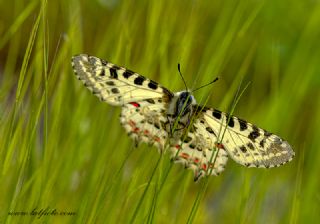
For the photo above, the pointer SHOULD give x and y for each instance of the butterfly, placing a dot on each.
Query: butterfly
(199, 137)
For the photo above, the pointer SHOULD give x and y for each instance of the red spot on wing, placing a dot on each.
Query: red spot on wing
(184, 155)
(219, 145)
(204, 166)
(135, 104)
(196, 160)
(157, 139)
(177, 146)
(146, 132)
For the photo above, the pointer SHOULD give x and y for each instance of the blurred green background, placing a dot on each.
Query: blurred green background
(62, 149)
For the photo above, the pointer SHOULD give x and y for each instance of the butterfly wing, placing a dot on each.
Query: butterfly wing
(247, 144)
(113, 84)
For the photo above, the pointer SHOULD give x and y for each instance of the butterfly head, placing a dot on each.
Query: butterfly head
(184, 102)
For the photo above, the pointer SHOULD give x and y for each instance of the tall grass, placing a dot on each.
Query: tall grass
(63, 150)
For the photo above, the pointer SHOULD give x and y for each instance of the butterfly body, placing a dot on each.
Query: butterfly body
(199, 137)
(180, 110)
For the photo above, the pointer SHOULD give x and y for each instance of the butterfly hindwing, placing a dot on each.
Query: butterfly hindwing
(199, 151)
(113, 84)
(247, 144)
(144, 122)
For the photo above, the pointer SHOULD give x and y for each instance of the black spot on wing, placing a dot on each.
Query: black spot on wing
(156, 125)
(210, 130)
(152, 84)
(254, 134)
(243, 149)
(110, 83)
(139, 80)
(115, 90)
(250, 146)
(187, 139)
(216, 114)
(150, 101)
(102, 73)
(243, 124)
(104, 62)
(113, 73)
(127, 73)
(262, 143)
(230, 121)
(267, 134)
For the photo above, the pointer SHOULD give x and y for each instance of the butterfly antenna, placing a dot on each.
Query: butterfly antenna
(182, 77)
(216, 79)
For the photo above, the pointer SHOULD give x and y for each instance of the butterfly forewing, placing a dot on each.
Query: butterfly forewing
(113, 84)
(247, 144)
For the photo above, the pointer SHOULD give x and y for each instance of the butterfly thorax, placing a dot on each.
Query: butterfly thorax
(180, 110)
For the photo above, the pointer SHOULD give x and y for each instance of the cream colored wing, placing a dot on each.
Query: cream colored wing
(247, 144)
(113, 84)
